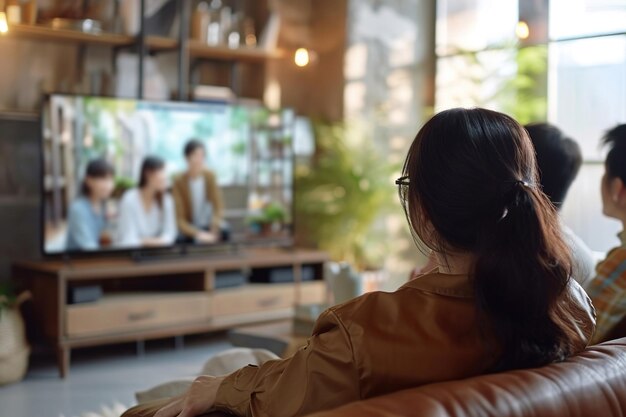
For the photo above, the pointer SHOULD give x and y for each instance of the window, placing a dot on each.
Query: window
(570, 70)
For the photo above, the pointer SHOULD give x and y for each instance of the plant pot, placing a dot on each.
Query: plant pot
(266, 229)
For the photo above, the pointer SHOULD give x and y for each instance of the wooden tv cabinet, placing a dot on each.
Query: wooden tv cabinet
(163, 298)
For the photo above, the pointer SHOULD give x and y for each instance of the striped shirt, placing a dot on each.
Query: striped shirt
(608, 291)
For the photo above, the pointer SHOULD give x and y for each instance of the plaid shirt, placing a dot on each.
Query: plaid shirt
(608, 291)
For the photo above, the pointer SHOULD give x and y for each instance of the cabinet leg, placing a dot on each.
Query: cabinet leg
(63, 361)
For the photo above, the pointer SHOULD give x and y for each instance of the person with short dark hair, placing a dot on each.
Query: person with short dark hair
(198, 198)
(558, 157)
(87, 220)
(559, 160)
(146, 214)
(608, 289)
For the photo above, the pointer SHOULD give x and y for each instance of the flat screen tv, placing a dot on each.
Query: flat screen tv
(133, 175)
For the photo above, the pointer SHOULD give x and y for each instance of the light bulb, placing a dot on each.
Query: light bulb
(301, 57)
(4, 26)
(522, 30)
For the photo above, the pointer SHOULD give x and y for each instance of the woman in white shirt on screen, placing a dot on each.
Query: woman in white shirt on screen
(146, 213)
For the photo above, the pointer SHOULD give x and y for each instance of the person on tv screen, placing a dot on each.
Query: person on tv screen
(198, 198)
(146, 213)
(87, 221)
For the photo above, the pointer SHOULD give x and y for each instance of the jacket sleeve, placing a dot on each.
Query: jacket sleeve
(184, 226)
(215, 198)
(317, 377)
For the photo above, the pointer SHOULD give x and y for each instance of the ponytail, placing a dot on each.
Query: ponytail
(518, 279)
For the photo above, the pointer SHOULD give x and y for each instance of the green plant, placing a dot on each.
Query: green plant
(8, 298)
(522, 95)
(122, 184)
(341, 195)
(271, 213)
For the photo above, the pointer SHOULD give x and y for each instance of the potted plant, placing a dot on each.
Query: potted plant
(270, 218)
(122, 184)
(14, 349)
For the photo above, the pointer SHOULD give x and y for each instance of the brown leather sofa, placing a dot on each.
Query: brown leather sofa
(592, 384)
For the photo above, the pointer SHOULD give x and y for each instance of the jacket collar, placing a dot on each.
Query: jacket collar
(443, 284)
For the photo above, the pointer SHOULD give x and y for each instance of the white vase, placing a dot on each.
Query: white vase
(344, 282)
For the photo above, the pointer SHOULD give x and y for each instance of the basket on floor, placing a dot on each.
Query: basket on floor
(14, 350)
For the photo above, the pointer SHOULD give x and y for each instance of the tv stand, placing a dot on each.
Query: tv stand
(163, 297)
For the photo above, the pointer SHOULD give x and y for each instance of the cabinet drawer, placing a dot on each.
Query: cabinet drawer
(313, 292)
(127, 312)
(252, 299)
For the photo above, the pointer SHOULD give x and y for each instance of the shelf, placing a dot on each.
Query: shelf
(161, 43)
(43, 33)
(202, 51)
(196, 49)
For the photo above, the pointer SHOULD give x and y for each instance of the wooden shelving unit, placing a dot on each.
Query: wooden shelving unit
(191, 53)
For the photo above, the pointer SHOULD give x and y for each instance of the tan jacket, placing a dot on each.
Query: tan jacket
(425, 332)
(182, 199)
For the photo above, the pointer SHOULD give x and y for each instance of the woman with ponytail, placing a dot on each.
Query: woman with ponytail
(472, 193)
(502, 297)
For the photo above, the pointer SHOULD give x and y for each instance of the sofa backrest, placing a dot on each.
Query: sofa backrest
(590, 384)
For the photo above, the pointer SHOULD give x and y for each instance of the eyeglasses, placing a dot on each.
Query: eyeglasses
(402, 181)
(403, 190)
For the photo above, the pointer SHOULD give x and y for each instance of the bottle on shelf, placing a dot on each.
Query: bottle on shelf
(249, 35)
(234, 35)
(29, 12)
(200, 22)
(214, 30)
(226, 20)
(14, 12)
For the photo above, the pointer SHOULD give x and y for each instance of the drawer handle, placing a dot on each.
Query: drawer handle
(141, 316)
(268, 302)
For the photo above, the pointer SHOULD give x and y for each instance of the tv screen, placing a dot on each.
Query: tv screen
(123, 174)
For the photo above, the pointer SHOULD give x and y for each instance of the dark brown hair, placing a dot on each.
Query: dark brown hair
(558, 158)
(151, 164)
(473, 188)
(615, 163)
(193, 145)
(97, 168)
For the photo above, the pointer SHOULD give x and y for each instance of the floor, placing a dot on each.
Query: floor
(102, 377)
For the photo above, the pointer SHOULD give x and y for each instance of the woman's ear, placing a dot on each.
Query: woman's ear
(617, 191)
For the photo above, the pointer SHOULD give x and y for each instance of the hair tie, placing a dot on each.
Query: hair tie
(519, 183)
